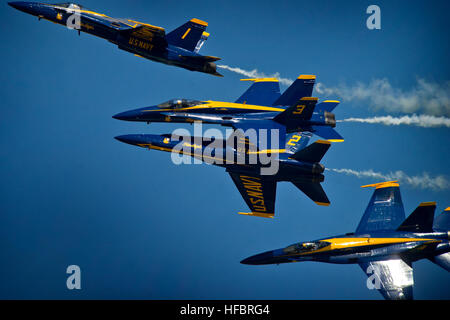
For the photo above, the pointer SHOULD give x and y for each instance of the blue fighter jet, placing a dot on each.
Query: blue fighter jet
(262, 106)
(178, 48)
(385, 244)
(299, 164)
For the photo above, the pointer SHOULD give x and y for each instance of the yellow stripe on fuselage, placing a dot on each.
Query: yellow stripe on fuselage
(222, 105)
(188, 153)
(344, 243)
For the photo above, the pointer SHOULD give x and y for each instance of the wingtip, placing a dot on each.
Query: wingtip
(258, 214)
(200, 22)
(331, 101)
(307, 77)
(385, 184)
(427, 204)
(323, 142)
(325, 204)
(261, 79)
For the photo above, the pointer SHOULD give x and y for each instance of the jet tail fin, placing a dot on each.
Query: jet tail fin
(302, 87)
(421, 219)
(312, 153)
(302, 110)
(189, 36)
(296, 141)
(314, 191)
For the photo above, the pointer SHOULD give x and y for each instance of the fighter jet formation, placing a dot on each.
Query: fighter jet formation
(270, 143)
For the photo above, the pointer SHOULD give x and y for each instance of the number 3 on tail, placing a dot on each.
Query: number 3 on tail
(299, 109)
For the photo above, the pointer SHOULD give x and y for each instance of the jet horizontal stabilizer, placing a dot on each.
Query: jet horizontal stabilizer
(327, 133)
(327, 105)
(314, 191)
(312, 153)
(421, 219)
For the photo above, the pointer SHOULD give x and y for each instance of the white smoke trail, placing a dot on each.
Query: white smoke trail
(426, 97)
(423, 181)
(424, 121)
(256, 74)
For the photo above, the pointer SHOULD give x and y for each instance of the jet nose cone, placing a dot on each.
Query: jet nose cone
(121, 116)
(133, 115)
(22, 6)
(17, 4)
(262, 258)
(133, 139)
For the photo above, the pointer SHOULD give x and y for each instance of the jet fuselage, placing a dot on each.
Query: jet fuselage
(223, 113)
(117, 31)
(359, 248)
(228, 157)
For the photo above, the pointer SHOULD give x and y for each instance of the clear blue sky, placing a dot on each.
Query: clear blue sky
(142, 227)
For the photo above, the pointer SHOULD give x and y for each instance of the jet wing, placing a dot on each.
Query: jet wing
(263, 92)
(393, 278)
(385, 210)
(259, 133)
(258, 192)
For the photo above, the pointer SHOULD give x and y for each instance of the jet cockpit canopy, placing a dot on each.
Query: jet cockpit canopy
(179, 103)
(305, 247)
(70, 5)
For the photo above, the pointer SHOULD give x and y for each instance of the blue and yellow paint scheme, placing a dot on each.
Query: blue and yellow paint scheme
(262, 106)
(178, 48)
(385, 244)
(297, 163)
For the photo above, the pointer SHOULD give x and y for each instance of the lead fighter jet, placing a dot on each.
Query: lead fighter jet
(385, 244)
(178, 48)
